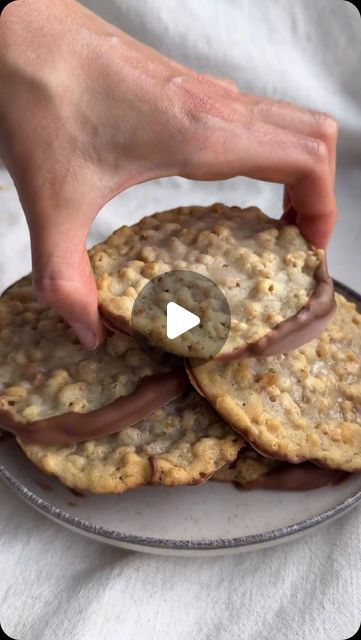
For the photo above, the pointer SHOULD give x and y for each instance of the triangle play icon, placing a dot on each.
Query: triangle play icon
(179, 320)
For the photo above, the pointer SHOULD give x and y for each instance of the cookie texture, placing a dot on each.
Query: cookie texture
(303, 405)
(184, 442)
(45, 372)
(266, 270)
(248, 466)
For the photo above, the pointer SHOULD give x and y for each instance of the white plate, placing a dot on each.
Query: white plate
(211, 519)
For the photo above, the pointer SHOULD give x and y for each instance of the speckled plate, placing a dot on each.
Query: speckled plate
(211, 519)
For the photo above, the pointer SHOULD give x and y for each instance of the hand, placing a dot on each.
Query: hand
(86, 111)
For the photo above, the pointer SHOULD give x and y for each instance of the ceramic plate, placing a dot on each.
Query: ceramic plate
(210, 519)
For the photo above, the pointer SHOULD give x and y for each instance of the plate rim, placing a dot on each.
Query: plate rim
(171, 544)
(201, 544)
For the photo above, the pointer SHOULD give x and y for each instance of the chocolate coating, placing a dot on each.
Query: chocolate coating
(301, 328)
(302, 477)
(151, 394)
(117, 324)
(294, 461)
(193, 380)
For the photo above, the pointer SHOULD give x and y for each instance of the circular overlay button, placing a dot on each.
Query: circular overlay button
(183, 313)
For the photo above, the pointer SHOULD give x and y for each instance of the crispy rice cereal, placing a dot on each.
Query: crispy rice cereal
(184, 442)
(248, 466)
(264, 268)
(304, 405)
(45, 372)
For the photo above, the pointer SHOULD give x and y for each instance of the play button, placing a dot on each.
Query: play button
(182, 313)
(179, 320)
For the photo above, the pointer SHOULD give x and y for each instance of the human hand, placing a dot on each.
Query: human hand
(86, 111)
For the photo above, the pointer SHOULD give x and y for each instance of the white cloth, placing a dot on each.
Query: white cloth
(56, 584)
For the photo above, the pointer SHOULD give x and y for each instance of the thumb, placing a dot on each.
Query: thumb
(62, 274)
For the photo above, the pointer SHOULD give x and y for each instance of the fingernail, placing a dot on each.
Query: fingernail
(86, 336)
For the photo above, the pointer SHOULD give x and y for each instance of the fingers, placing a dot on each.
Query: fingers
(318, 126)
(274, 155)
(321, 130)
(272, 141)
(63, 278)
(314, 124)
(302, 163)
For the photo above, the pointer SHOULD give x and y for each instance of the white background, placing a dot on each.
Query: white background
(57, 585)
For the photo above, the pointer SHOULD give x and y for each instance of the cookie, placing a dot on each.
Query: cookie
(276, 285)
(182, 443)
(303, 405)
(55, 392)
(248, 467)
(107, 420)
(252, 471)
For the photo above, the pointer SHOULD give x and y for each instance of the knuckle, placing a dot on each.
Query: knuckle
(201, 103)
(198, 117)
(178, 81)
(316, 150)
(274, 106)
(277, 104)
(195, 106)
(197, 95)
(252, 113)
(257, 107)
(326, 127)
(261, 109)
(216, 82)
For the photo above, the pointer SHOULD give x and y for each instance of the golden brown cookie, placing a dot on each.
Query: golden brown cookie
(276, 285)
(183, 442)
(53, 391)
(248, 466)
(98, 420)
(303, 405)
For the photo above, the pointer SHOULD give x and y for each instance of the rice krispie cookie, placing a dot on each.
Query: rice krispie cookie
(183, 442)
(53, 391)
(303, 405)
(276, 285)
(57, 398)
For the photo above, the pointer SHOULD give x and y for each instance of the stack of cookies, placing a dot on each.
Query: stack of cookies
(278, 406)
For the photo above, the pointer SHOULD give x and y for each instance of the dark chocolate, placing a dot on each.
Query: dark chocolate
(44, 485)
(76, 493)
(153, 470)
(151, 394)
(293, 477)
